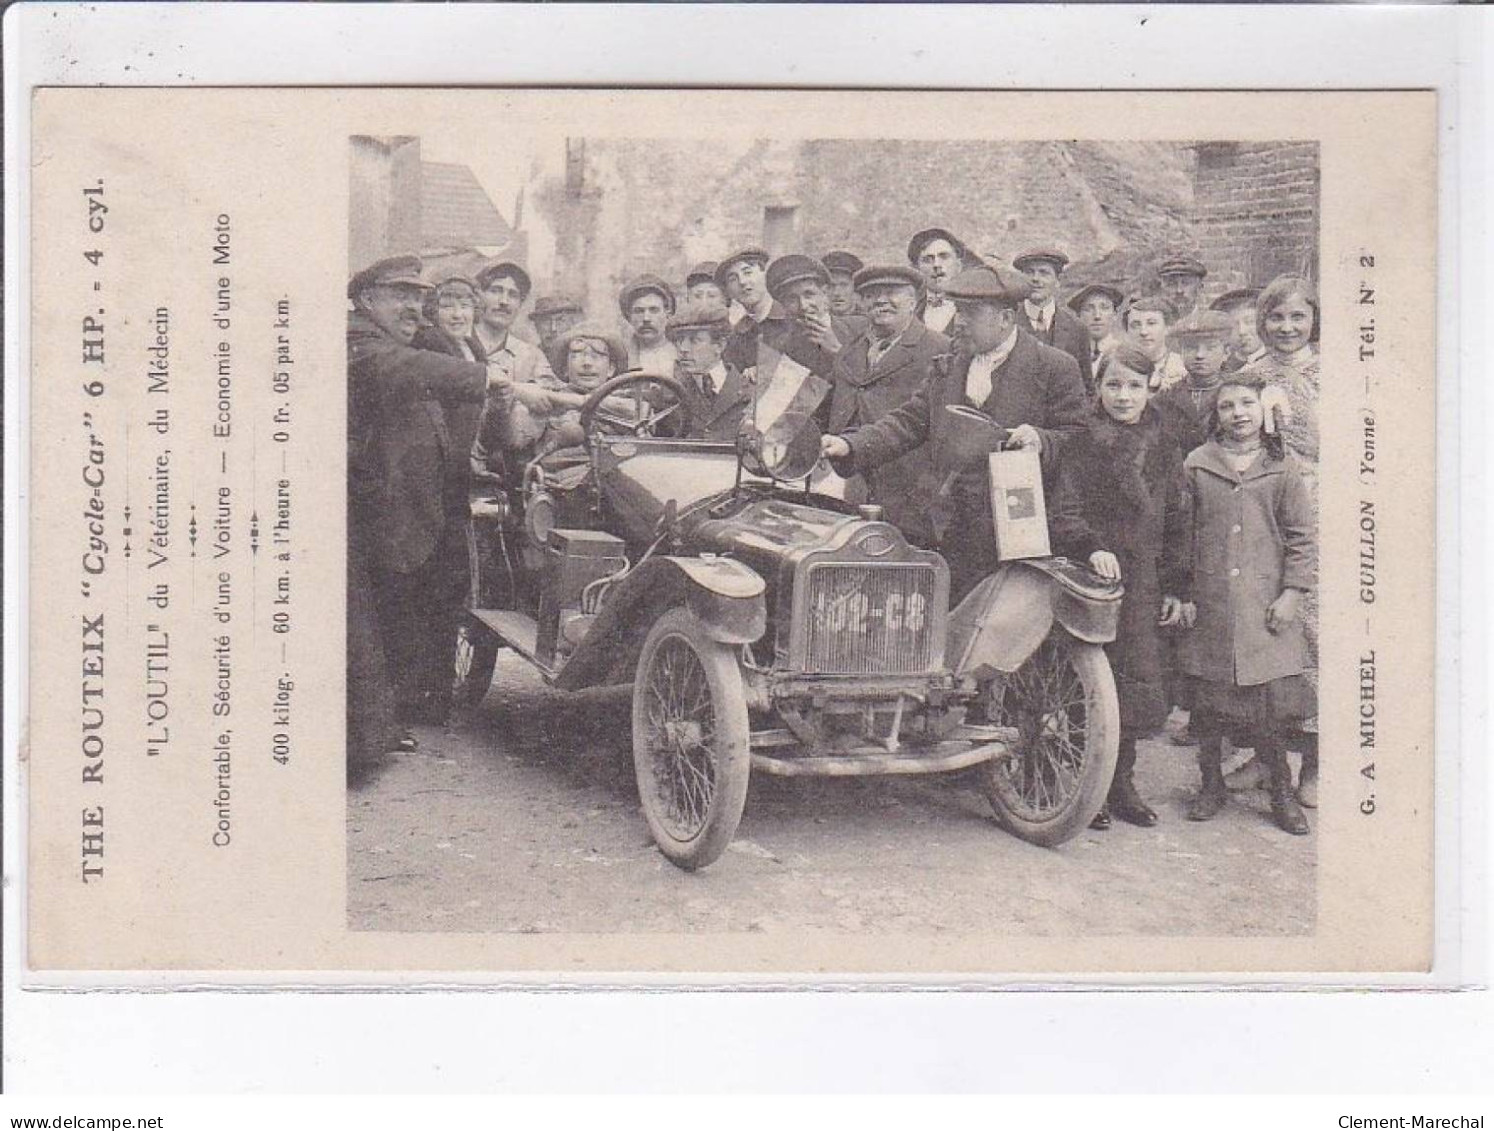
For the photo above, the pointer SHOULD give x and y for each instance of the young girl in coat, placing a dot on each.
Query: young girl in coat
(1118, 505)
(1253, 563)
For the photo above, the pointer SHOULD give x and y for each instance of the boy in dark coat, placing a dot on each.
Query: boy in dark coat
(1120, 506)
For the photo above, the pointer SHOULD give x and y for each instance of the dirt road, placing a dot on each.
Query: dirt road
(524, 817)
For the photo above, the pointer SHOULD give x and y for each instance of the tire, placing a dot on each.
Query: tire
(474, 656)
(1063, 701)
(690, 740)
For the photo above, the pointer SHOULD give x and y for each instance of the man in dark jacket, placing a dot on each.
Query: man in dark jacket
(878, 372)
(742, 276)
(1032, 390)
(407, 499)
(1050, 323)
(801, 285)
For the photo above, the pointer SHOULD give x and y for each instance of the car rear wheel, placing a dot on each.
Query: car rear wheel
(690, 740)
(1062, 702)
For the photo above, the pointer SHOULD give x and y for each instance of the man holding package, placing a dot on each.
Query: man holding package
(407, 505)
(1032, 392)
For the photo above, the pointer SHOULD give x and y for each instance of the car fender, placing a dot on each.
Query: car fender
(727, 597)
(1009, 614)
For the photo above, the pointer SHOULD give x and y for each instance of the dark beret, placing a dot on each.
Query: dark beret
(506, 268)
(922, 239)
(387, 272)
(1084, 294)
(841, 262)
(744, 255)
(788, 269)
(1245, 296)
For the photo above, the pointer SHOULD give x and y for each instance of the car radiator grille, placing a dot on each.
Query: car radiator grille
(870, 619)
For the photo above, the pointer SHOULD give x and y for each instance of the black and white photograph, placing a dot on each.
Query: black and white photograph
(873, 536)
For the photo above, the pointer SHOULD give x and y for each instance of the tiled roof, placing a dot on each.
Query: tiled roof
(455, 211)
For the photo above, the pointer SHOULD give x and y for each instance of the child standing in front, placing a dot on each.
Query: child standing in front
(1119, 506)
(1253, 562)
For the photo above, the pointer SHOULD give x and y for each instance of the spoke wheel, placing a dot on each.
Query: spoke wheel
(473, 660)
(1063, 705)
(690, 740)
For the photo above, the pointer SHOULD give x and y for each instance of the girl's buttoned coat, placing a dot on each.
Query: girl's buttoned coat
(1251, 537)
(1120, 488)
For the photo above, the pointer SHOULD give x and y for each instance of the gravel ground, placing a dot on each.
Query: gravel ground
(523, 817)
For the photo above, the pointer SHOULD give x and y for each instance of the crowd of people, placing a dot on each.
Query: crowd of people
(1177, 440)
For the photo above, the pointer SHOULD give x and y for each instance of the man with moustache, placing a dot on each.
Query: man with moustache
(1181, 280)
(1032, 390)
(879, 371)
(503, 287)
(742, 276)
(646, 303)
(939, 257)
(407, 506)
(1041, 314)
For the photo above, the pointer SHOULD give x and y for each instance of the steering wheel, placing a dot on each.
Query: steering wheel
(649, 416)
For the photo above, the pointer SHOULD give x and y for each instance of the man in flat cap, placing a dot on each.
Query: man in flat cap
(646, 303)
(1031, 390)
(939, 256)
(1245, 347)
(844, 303)
(801, 285)
(743, 277)
(407, 505)
(552, 316)
(1096, 307)
(1181, 279)
(503, 288)
(879, 371)
(1040, 312)
(718, 392)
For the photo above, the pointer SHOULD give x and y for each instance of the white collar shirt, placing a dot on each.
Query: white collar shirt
(1041, 317)
(938, 315)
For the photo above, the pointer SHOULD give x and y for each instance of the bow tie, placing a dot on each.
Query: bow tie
(937, 300)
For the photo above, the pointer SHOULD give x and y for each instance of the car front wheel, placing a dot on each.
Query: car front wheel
(690, 740)
(1063, 704)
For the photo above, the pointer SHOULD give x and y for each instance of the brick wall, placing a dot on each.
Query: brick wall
(1256, 210)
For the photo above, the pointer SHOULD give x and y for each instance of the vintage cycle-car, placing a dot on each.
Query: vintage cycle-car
(766, 625)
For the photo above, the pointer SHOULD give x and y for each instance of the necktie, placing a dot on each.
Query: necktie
(708, 384)
(877, 350)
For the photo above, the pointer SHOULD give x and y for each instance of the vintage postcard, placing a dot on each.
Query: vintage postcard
(564, 535)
